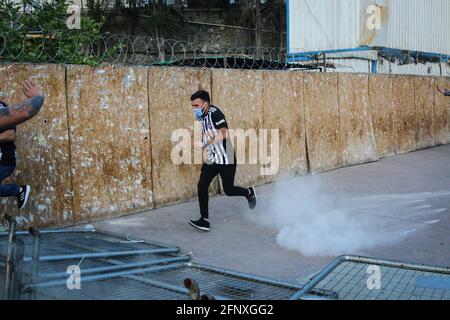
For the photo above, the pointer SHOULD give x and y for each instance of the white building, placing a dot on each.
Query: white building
(377, 36)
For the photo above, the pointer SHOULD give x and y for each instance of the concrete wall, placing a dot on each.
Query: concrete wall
(321, 104)
(109, 141)
(405, 115)
(43, 149)
(357, 138)
(381, 96)
(102, 146)
(283, 109)
(169, 92)
(238, 93)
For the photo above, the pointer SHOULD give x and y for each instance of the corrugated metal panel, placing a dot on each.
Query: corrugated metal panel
(316, 25)
(415, 25)
(420, 25)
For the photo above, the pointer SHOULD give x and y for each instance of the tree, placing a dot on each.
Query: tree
(40, 33)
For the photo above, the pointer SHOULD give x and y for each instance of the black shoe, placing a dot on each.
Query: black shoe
(252, 198)
(22, 197)
(201, 224)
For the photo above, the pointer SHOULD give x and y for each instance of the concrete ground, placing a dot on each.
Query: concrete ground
(397, 208)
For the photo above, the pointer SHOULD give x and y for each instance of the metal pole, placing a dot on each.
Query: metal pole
(245, 275)
(214, 297)
(35, 258)
(315, 293)
(194, 289)
(119, 267)
(319, 277)
(107, 276)
(153, 243)
(17, 279)
(9, 258)
(397, 264)
(56, 231)
(88, 255)
(160, 284)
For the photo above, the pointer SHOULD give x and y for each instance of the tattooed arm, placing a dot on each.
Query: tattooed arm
(445, 92)
(21, 112)
(7, 136)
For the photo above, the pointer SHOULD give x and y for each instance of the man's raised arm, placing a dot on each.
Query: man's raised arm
(21, 112)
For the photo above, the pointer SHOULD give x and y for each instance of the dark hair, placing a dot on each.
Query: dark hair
(202, 94)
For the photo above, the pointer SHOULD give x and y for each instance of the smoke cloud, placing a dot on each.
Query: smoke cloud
(316, 223)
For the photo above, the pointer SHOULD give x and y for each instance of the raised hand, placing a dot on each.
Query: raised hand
(21, 112)
(30, 89)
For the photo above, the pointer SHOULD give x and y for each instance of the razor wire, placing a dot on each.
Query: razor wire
(76, 48)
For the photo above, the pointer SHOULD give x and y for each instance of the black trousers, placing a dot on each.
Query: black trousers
(208, 173)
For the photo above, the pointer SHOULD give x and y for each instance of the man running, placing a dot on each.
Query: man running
(24, 111)
(445, 92)
(221, 158)
(8, 165)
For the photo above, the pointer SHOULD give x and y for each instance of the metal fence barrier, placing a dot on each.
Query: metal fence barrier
(93, 250)
(165, 282)
(117, 267)
(355, 278)
(33, 266)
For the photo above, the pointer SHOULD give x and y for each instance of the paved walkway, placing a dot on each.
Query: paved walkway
(397, 208)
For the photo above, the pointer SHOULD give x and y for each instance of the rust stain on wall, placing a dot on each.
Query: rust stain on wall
(442, 112)
(110, 141)
(283, 109)
(405, 113)
(238, 93)
(357, 137)
(170, 90)
(424, 91)
(382, 110)
(322, 121)
(42, 148)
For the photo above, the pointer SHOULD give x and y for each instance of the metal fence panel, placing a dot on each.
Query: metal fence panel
(355, 278)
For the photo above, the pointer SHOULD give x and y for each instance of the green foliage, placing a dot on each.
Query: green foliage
(40, 34)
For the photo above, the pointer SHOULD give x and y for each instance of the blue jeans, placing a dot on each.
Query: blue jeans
(7, 190)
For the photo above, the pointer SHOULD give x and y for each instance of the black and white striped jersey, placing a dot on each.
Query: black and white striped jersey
(7, 149)
(221, 152)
